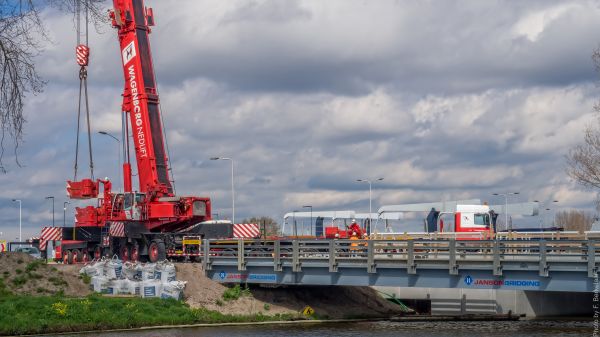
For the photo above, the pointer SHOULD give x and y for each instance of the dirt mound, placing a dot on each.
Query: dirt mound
(327, 301)
(22, 274)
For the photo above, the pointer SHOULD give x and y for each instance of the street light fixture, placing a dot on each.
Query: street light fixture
(505, 195)
(65, 213)
(120, 170)
(20, 232)
(232, 187)
(52, 197)
(370, 194)
(311, 224)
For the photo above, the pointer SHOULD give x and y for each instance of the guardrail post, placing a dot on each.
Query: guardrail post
(497, 265)
(277, 256)
(240, 256)
(591, 250)
(332, 262)
(296, 256)
(371, 266)
(206, 263)
(411, 268)
(543, 263)
(452, 266)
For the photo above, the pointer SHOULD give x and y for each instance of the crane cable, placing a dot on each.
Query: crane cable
(82, 52)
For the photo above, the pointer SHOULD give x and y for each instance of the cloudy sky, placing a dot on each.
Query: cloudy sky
(444, 100)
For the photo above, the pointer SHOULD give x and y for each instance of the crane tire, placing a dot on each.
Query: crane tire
(157, 251)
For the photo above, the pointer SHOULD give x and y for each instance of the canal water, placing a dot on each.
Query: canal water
(536, 328)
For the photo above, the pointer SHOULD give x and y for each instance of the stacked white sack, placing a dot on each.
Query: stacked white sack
(114, 277)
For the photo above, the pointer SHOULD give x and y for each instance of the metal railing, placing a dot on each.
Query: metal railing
(498, 256)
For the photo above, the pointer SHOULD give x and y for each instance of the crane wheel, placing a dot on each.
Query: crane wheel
(69, 256)
(65, 258)
(97, 252)
(135, 253)
(124, 253)
(157, 251)
(76, 253)
(85, 256)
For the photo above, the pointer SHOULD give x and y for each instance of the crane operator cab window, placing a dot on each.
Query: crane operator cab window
(132, 205)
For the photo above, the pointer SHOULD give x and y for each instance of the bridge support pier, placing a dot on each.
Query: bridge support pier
(489, 301)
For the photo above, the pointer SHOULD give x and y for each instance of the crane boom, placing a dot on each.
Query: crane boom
(140, 97)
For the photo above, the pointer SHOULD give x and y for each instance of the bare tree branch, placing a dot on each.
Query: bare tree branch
(22, 35)
(583, 160)
(574, 220)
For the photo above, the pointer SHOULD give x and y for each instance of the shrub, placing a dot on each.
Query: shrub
(86, 278)
(19, 281)
(267, 307)
(18, 271)
(32, 266)
(57, 281)
(236, 292)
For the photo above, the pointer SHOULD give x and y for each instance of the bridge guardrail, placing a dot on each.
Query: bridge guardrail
(412, 255)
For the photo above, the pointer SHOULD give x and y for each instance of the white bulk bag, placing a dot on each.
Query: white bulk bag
(99, 283)
(173, 289)
(113, 268)
(165, 272)
(94, 268)
(122, 286)
(134, 287)
(151, 288)
(132, 271)
(113, 287)
(148, 271)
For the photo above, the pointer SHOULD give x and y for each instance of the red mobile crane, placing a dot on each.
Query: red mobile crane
(147, 223)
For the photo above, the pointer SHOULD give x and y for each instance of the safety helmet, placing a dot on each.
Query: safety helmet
(353, 233)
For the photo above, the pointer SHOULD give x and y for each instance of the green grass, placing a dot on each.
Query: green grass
(47, 314)
(235, 292)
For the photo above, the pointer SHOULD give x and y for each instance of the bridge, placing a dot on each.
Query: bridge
(539, 265)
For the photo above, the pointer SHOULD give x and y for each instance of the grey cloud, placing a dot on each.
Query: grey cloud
(442, 100)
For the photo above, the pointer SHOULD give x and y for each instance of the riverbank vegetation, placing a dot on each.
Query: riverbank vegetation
(26, 314)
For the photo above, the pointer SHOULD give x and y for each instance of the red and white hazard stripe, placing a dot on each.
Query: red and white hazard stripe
(49, 234)
(117, 229)
(246, 230)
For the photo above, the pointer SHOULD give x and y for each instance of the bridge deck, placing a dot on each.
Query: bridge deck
(548, 265)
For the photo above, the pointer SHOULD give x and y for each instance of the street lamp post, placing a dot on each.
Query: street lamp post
(120, 170)
(370, 199)
(232, 187)
(311, 224)
(65, 213)
(52, 197)
(505, 195)
(20, 232)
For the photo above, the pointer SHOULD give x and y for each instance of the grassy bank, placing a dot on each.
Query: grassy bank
(26, 314)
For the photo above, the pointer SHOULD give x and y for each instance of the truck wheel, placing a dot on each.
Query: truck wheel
(69, 257)
(157, 251)
(124, 253)
(85, 256)
(65, 259)
(76, 256)
(97, 252)
(135, 253)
